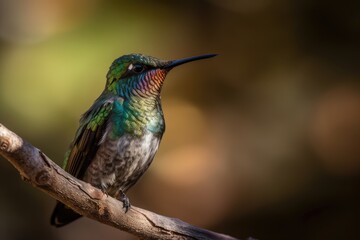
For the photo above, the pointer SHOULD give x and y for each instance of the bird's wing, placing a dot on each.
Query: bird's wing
(88, 137)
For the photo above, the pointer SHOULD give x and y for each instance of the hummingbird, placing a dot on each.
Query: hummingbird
(120, 133)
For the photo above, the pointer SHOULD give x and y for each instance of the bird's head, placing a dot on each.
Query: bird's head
(140, 75)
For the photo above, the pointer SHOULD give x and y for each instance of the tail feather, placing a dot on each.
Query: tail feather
(63, 215)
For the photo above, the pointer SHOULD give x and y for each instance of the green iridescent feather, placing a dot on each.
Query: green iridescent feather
(90, 132)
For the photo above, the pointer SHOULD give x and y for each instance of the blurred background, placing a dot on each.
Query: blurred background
(261, 141)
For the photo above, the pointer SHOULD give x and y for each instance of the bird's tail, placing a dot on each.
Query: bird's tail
(63, 215)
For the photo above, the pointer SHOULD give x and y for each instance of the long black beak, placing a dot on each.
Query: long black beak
(178, 62)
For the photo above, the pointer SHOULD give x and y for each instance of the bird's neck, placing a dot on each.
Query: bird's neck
(139, 115)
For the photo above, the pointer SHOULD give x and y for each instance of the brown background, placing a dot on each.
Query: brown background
(261, 141)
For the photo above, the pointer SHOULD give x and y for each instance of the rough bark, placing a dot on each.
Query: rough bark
(37, 169)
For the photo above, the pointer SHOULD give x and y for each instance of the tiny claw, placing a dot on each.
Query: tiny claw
(125, 200)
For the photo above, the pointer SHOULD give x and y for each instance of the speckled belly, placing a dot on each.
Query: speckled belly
(118, 164)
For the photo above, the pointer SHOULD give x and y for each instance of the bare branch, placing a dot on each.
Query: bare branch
(36, 168)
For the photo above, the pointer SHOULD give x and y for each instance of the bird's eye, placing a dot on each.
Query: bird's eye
(136, 68)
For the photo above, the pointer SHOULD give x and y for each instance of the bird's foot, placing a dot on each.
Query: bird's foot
(125, 200)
